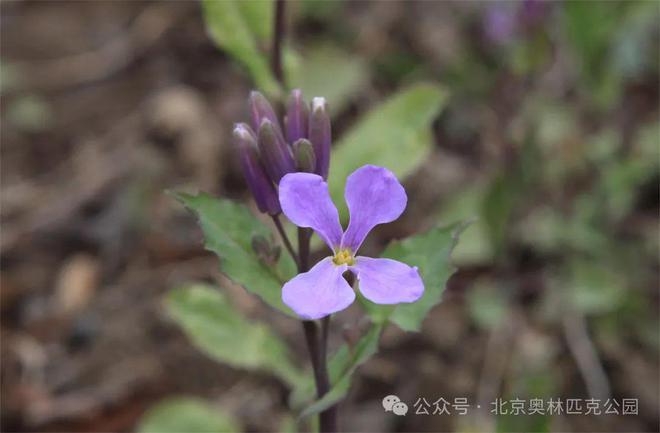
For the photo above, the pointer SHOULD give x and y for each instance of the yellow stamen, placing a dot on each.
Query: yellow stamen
(344, 257)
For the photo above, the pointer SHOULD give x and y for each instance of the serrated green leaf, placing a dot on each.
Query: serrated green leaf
(341, 368)
(230, 30)
(186, 414)
(395, 135)
(217, 329)
(228, 231)
(430, 252)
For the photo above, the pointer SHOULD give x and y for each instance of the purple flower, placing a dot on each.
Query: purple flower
(374, 196)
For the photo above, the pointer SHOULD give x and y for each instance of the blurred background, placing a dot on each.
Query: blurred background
(548, 141)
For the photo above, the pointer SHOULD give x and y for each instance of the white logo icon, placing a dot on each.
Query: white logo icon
(392, 403)
(400, 408)
(389, 401)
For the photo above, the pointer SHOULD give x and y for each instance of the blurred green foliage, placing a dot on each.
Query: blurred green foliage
(325, 70)
(236, 26)
(398, 127)
(187, 414)
(29, 113)
(218, 329)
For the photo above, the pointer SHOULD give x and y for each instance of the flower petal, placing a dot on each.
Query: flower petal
(306, 202)
(374, 196)
(387, 281)
(319, 292)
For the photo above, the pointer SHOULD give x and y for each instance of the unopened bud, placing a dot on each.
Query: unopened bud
(320, 135)
(265, 250)
(297, 117)
(260, 246)
(275, 153)
(261, 109)
(303, 153)
(260, 185)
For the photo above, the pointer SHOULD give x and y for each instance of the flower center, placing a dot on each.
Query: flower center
(344, 257)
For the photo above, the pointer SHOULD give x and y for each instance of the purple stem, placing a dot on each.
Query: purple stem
(317, 348)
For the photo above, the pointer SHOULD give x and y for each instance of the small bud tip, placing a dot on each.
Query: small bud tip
(318, 102)
(241, 131)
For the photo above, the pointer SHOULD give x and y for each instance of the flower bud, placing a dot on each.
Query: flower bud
(275, 153)
(297, 117)
(260, 185)
(303, 153)
(260, 245)
(265, 250)
(320, 135)
(261, 109)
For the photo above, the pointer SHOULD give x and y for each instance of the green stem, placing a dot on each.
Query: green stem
(285, 239)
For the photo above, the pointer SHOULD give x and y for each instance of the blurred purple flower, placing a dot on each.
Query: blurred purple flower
(505, 19)
(500, 22)
(374, 196)
(532, 12)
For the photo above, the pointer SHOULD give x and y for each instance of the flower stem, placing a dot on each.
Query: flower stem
(318, 349)
(285, 239)
(278, 35)
(304, 236)
(328, 418)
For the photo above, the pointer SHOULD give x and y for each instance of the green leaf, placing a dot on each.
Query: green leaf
(595, 288)
(30, 113)
(537, 423)
(464, 205)
(325, 70)
(341, 368)
(228, 232)
(498, 205)
(430, 252)
(258, 15)
(186, 414)
(229, 25)
(487, 304)
(395, 135)
(592, 28)
(217, 329)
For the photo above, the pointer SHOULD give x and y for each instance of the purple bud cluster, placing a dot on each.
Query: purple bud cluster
(268, 154)
(505, 20)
